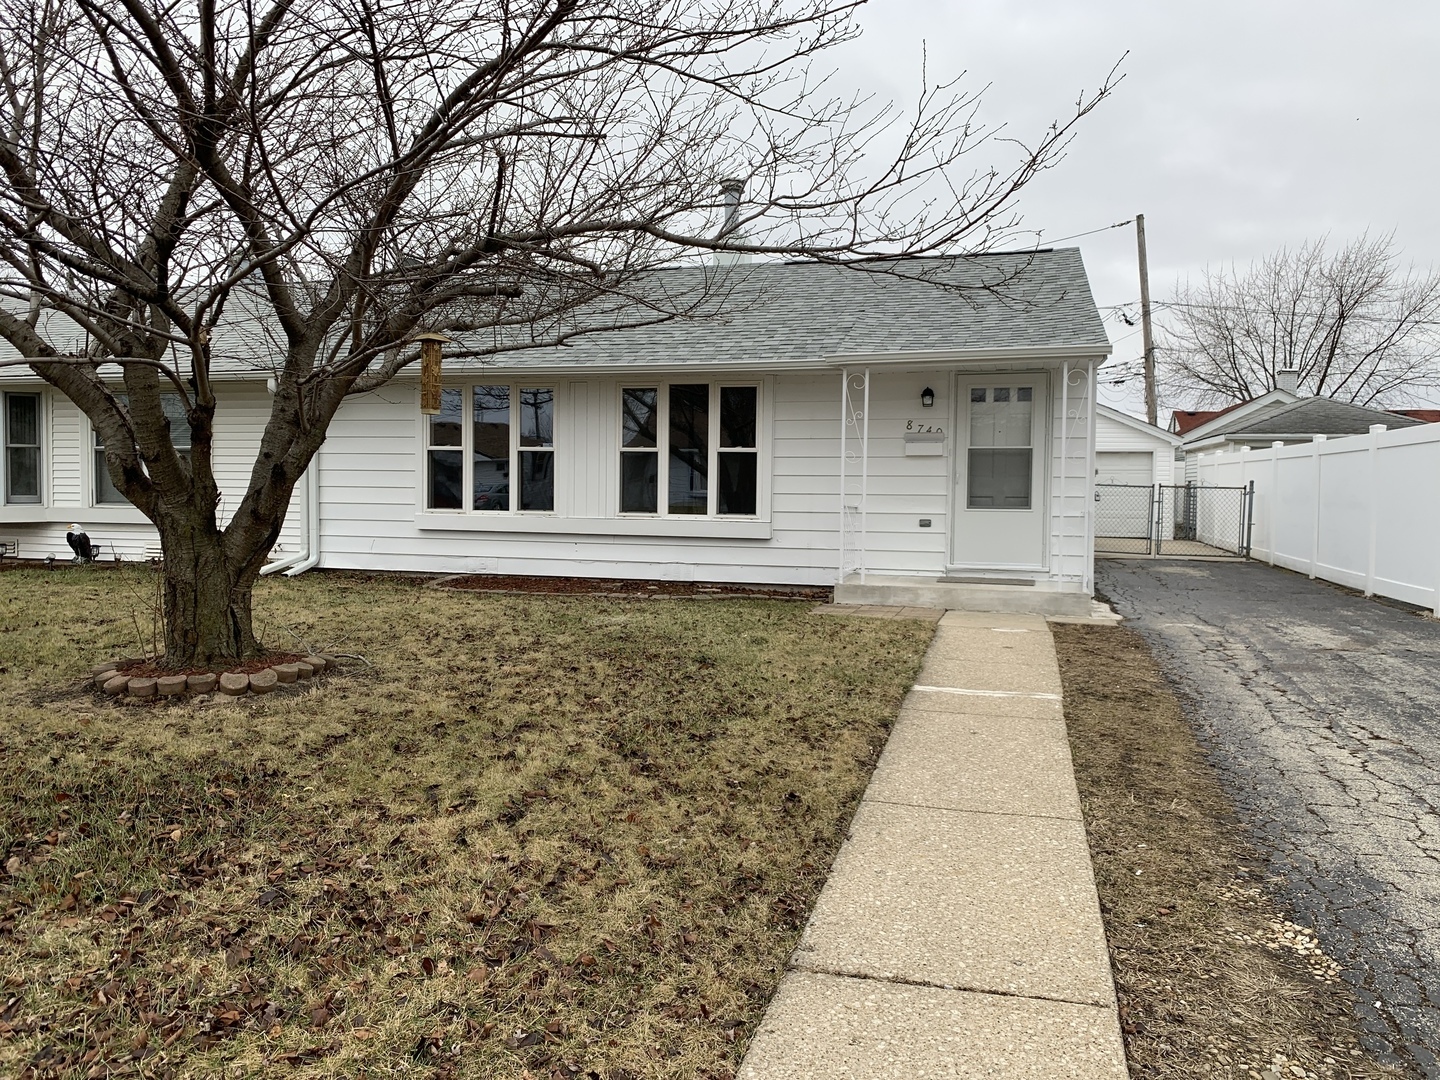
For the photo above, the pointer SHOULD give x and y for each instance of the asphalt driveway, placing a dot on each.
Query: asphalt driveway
(1322, 712)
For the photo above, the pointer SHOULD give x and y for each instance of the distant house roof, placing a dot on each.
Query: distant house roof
(1305, 418)
(1425, 416)
(1183, 421)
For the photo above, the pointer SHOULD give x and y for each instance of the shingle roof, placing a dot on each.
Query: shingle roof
(1187, 420)
(1312, 416)
(792, 312)
(788, 313)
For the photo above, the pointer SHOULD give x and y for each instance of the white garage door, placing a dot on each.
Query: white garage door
(1127, 467)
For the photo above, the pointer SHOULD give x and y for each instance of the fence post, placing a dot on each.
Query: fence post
(1249, 504)
(1273, 523)
(1375, 431)
(1315, 531)
(1242, 542)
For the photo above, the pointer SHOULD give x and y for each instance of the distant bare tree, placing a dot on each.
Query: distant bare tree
(1356, 324)
(349, 173)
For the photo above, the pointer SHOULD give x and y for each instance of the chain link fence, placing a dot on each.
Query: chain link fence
(1178, 520)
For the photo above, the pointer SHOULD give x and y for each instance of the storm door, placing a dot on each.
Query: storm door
(999, 503)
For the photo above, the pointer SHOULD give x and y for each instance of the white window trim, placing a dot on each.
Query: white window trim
(467, 456)
(761, 449)
(42, 424)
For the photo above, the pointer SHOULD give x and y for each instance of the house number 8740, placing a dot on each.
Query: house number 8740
(923, 428)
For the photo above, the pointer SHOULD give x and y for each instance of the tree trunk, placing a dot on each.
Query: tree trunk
(207, 598)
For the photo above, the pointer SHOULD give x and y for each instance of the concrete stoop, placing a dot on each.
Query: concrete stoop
(959, 932)
(934, 592)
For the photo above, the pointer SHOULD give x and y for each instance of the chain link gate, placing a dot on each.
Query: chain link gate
(1177, 520)
(1124, 519)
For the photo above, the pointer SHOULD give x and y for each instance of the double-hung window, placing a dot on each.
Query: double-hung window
(689, 449)
(106, 493)
(503, 460)
(22, 448)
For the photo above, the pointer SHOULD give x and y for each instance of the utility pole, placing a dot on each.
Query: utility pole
(1152, 407)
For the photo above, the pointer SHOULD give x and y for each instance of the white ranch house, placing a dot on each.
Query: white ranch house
(903, 441)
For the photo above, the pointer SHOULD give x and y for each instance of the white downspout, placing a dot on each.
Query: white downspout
(289, 560)
(311, 556)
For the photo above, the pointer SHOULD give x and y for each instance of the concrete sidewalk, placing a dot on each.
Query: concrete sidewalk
(959, 933)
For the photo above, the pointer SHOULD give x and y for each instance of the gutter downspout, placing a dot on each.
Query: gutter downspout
(289, 560)
(311, 555)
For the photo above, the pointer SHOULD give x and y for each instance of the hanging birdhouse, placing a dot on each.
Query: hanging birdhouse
(430, 343)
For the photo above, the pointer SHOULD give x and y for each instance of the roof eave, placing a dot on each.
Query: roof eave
(974, 355)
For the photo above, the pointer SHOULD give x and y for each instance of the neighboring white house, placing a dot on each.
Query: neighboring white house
(1262, 423)
(879, 431)
(1130, 451)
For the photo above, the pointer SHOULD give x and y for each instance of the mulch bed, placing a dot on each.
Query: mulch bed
(572, 586)
(156, 668)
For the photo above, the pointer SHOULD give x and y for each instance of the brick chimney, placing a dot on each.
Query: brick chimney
(1288, 379)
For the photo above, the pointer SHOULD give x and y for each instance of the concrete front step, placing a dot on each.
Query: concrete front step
(933, 593)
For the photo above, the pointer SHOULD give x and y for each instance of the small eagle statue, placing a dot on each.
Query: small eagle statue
(80, 544)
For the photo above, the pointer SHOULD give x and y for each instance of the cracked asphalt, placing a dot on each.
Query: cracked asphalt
(1321, 711)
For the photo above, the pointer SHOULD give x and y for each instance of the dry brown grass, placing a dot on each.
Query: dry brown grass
(540, 837)
(1211, 977)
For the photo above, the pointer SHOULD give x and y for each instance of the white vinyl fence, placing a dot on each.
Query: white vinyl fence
(1362, 511)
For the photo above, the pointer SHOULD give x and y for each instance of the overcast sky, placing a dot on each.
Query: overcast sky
(1239, 127)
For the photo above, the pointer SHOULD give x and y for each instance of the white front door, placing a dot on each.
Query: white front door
(999, 519)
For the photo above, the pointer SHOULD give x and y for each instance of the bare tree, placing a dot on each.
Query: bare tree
(1355, 324)
(350, 173)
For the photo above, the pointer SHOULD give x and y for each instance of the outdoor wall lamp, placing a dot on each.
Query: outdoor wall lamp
(927, 398)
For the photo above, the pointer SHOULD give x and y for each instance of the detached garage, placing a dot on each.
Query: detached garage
(1130, 451)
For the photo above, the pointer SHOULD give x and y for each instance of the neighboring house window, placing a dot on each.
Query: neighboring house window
(503, 461)
(696, 443)
(22, 448)
(106, 493)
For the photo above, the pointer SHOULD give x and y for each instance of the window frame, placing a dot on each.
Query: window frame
(714, 450)
(11, 499)
(466, 390)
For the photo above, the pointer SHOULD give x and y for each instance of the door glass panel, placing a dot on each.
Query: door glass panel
(1001, 455)
(491, 456)
(689, 449)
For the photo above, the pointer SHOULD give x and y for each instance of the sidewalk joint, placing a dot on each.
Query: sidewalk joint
(967, 810)
(989, 992)
(985, 693)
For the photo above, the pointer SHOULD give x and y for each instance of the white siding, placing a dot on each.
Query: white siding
(122, 530)
(370, 497)
(64, 451)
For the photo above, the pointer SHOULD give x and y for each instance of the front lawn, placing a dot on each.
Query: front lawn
(537, 837)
